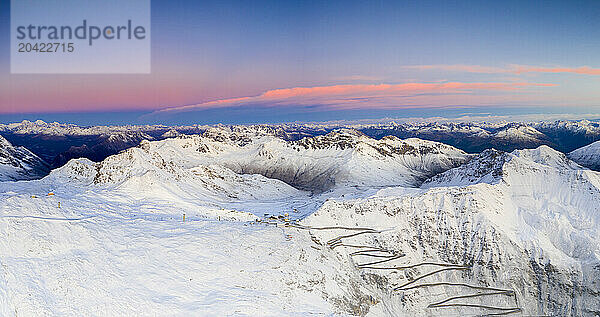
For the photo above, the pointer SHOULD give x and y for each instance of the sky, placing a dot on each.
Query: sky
(278, 61)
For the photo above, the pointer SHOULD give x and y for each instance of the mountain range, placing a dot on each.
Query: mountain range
(363, 220)
(57, 143)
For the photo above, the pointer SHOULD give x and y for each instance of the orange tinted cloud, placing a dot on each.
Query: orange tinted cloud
(384, 96)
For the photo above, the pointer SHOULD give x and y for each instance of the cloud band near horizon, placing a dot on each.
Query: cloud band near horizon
(380, 96)
(509, 69)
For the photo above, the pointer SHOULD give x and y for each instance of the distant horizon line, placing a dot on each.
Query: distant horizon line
(463, 118)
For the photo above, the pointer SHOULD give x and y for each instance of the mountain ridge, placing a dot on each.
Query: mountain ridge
(18, 163)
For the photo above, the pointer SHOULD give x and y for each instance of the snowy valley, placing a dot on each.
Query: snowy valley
(296, 221)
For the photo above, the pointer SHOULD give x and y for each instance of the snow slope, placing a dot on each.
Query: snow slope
(588, 156)
(522, 134)
(527, 222)
(104, 253)
(18, 163)
(521, 227)
(344, 158)
(143, 174)
(57, 142)
(111, 241)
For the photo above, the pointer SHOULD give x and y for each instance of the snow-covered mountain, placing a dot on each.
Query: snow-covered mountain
(588, 156)
(57, 129)
(58, 142)
(258, 221)
(18, 163)
(545, 155)
(526, 136)
(142, 172)
(489, 166)
(172, 133)
(342, 157)
(525, 222)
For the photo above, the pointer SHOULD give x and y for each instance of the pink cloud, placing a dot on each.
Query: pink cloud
(511, 69)
(584, 70)
(382, 96)
(461, 68)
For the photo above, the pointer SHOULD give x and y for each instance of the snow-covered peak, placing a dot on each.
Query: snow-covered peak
(492, 166)
(319, 163)
(172, 133)
(520, 133)
(585, 127)
(146, 170)
(242, 135)
(547, 156)
(40, 127)
(541, 221)
(487, 167)
(344, 158)
(588, 156)
(4, 144)
(79, 170)
(121, 140)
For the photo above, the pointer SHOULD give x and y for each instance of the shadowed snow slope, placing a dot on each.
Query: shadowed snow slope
(18, 163)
